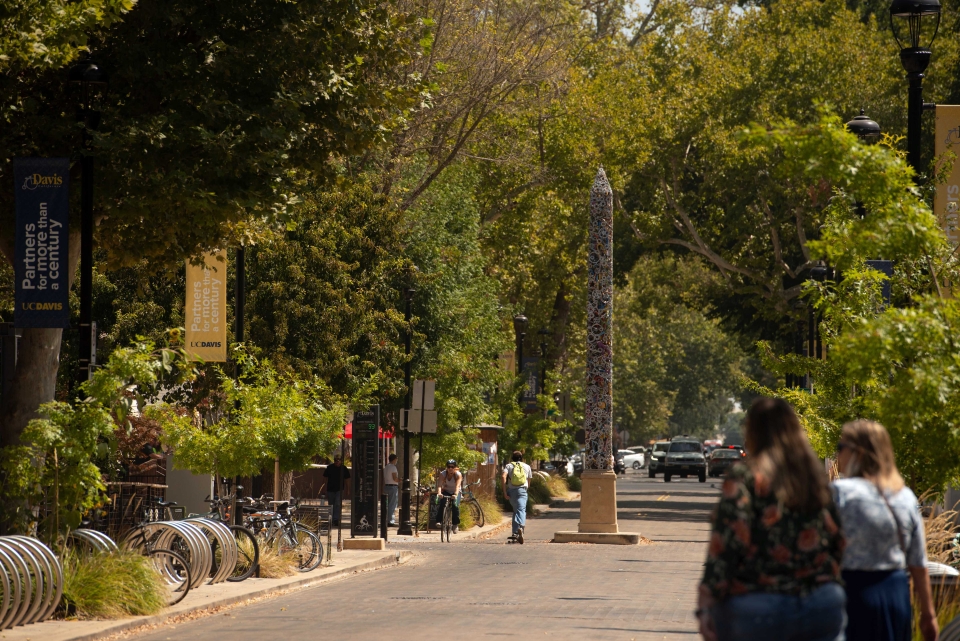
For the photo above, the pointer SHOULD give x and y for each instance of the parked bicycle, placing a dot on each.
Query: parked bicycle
(472, 504)
(278, 527)
(248, 557)
(173, 566)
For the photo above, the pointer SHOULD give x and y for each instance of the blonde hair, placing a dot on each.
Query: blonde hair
(780, 451)
(873, 457)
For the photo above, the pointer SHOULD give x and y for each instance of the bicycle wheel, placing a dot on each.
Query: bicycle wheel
(175, 572)
(314, 557)
(447, 524)
(477, 512)
(302, 544)
(248, 557)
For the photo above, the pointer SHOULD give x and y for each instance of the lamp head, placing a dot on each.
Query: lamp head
(87, 73)
(917, 14)
(864, 128)
(520, 323)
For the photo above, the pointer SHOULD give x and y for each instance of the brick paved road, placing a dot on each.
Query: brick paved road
(489, 589)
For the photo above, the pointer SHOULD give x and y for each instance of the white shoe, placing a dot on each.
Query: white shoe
(456, 528)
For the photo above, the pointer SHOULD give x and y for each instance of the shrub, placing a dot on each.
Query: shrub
(274, 565)
(111, 586)
(574, 484)
(492, 511)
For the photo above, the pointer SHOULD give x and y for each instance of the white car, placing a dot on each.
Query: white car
(636, 461)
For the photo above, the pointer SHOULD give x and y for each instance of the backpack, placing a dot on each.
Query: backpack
(518, 476)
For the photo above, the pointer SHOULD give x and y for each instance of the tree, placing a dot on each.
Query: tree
(893, 364)
(324, 296)
(45, 34)
(53, 477)
(214, 115)
(262, 417)
(674, 366)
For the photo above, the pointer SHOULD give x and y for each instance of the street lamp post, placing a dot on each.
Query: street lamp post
(520, 323)
(915, 56)
(544, 332)
(90, 79)
(406, 527)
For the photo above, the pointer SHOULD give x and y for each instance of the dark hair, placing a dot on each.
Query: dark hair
(393, 457)
(779, 450)
(517, 456)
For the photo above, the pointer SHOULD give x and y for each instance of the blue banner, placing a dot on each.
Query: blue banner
(42, 187)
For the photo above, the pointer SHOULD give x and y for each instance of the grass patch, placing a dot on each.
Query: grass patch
(274, 565)
(111, 586)
(574, 484)
(939, 530)
(492, 512)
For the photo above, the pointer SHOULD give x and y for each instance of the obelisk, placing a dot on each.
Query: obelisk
(598, 497)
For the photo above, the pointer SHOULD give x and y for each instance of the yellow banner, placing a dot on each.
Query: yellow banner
(946, 204)
(205, 314)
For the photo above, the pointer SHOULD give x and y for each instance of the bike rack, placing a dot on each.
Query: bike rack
(31, 578)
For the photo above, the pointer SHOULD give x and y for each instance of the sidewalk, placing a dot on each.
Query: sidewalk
(466, 535)
(208, 599)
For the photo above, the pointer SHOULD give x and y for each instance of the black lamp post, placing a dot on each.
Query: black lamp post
(520, 323)
(91, 80)
(915, 56)
(406, 527)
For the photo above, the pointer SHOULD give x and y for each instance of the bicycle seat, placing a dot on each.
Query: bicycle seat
(167, 503)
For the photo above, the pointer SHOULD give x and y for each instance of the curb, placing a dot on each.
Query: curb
(397, 557)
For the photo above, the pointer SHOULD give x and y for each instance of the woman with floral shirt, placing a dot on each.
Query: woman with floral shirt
(773, 565)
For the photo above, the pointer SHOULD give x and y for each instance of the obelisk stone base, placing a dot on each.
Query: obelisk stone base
(598, 512)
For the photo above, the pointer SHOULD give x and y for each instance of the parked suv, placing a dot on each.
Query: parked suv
(684, 457)
(656, 458)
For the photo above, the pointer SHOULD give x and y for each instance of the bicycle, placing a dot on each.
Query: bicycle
(469, 500)
(280, 529)
(446, 521)
(173, 567)
(248, 550)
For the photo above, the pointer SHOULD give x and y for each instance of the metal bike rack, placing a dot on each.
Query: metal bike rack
(32, 581)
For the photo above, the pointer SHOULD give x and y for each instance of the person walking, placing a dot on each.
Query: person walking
(335, 478)
(391, 481)
(450, 481)
(773, 565)
(516, 484)
(885, 537)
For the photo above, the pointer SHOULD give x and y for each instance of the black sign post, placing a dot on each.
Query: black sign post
(366, 472)
(42, 193)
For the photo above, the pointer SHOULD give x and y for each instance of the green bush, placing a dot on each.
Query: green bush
(574, 484)
(111, 586)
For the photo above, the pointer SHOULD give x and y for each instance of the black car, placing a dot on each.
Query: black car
(722, 458)
(684, 457)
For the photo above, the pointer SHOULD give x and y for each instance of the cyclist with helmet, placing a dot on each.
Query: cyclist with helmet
(449, 483)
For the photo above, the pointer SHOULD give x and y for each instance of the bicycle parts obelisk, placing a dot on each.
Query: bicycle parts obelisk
(598, 502)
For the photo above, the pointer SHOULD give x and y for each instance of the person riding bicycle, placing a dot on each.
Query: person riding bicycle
(449, 483)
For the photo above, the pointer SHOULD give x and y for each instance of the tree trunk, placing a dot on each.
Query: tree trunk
(38, 361)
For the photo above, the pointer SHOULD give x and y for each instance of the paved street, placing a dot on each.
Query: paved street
(489, 589)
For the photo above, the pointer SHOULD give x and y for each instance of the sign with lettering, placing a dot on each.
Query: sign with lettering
(531, 376)
(366, 472)
(42, 192)
(205, 313)
(946, 203)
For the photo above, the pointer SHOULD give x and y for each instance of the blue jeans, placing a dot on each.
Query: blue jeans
(392, 493)
(518, 499)
(333, 498)
(761, 616)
